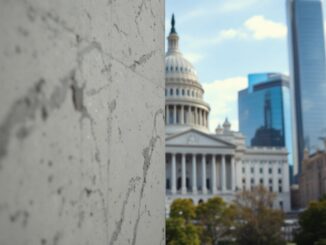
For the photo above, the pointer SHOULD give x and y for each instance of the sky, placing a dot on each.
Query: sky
(226, 40)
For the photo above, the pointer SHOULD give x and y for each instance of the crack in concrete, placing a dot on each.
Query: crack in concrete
(119, 30)
(142, 60)
(131, 187)
(147, 155)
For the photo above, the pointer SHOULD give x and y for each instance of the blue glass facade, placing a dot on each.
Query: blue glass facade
(308, 73)
(264, 111)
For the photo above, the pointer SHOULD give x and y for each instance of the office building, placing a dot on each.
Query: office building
(308, 76)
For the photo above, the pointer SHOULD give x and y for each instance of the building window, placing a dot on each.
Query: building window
(183, 92)
(261, 181)
(171, 91)
(252, 181)
(252, 170)
(243, 180)
(280, 189)
(270, 181)
(188, 92)
(279, 170)
(270, 170)
(271, 188)
(243, 170)
(280, 181)
(261, 170)
(168, 184)
(281, 205)
(177, 92)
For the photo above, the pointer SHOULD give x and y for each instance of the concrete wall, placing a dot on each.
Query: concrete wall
(81, 122)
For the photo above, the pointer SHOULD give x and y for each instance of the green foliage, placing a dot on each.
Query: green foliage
(179, 227)
(178, 232)
(312, 224)
(257, 222)
(215, 218)
(183, 208)
(321, 242)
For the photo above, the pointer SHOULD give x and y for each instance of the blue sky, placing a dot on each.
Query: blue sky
(226, 40)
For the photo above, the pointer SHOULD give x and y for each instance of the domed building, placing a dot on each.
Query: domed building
(201, 164)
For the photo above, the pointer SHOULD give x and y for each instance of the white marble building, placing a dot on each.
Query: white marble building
(200, 164)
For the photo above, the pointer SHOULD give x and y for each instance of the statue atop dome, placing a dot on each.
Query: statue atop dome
(173, 25)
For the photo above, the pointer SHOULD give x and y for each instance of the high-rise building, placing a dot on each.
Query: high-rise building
(264, 111)
(308, 76)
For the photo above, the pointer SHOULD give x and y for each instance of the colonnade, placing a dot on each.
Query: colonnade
(185, 114)
(219, 179)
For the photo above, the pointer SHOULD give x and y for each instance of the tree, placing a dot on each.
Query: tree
(215, 218)
(180, 229)
(178, 232)
(257, 222)
(312, 224)
(184, 208)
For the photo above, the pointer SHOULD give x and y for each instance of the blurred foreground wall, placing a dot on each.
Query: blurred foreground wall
(81, 122)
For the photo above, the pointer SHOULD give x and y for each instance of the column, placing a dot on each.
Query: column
(203, 170)
(183, 174)
(223, 174)
(232, 174)
(238, 174)
(200, 118)
(285, 176)
(182, 114)
(214, 189)
(194, 174)
(206, 119)
(174, 114)
(167, 114)
(266, 179)
(173, 177)
(275, 176)
(206, 123)
(195, 115)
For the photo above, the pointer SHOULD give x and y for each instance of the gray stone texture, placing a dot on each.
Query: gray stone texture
(81, 122)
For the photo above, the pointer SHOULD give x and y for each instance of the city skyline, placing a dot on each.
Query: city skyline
(225, 49)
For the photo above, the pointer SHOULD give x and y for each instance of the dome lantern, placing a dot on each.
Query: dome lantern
(173, 38)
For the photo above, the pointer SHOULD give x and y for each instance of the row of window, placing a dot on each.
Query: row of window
(270, 188)
(261, 170)
(261, 181)
(263, 162)
(182, 92)
(181, 69)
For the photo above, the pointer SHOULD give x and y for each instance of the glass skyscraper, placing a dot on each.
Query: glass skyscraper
(264, 111)
(308, 76)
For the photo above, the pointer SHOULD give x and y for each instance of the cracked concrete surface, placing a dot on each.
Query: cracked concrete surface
(81, 122)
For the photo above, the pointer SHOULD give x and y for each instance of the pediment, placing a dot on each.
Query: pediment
(194, 137)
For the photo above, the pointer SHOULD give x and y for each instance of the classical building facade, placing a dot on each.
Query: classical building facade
(201, 164)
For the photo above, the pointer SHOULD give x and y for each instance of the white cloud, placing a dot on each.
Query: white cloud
(193, 57)
(222, 95)
(231, 34)
(262, 28)
(255, 28)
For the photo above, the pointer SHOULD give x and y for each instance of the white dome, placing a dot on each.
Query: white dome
(176, 66)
